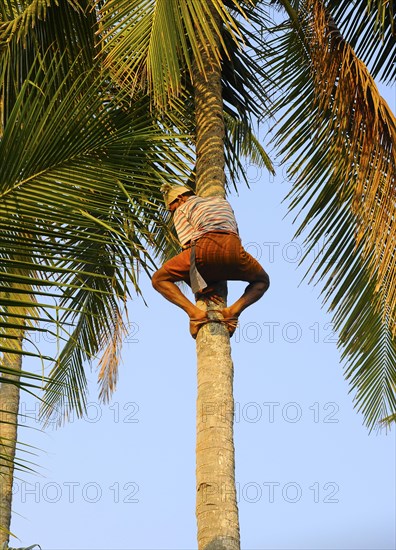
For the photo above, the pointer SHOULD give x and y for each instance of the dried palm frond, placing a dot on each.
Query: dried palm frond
(337, 136)
(110, 359)
(363, 136)
(370, 28)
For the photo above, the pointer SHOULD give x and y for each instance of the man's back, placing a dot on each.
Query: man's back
(200, 215)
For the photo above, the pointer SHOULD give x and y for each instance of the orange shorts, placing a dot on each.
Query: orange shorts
(218, 257)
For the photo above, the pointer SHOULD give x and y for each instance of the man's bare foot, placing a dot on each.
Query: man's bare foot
(231, 323)
(197, 314)
(196, 324)
(198, 318)
(229, 313)
(230, 319)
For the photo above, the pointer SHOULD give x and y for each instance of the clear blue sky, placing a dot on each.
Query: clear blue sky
(309, 475)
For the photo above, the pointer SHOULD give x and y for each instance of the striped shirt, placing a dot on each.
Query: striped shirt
(200, 215)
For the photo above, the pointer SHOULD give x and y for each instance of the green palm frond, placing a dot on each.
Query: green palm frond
(32, 28)
(370, 354)
(24, 464)
(19, 18)
(244, 79)
(241, 143)
(331, 151)
(79, 184)
(103, 149)
(151, 45)
(95, 318)
(364, 332)
(155, 42)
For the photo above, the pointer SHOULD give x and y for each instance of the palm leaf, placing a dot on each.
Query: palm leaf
(80, 178)
(370, 28)
(322, 137)
(153, 43)
(241, 143)
(365, 131)
(36, 27)
(244, 79)
(95, 319)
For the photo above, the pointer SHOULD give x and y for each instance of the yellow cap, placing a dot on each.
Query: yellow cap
(171, 193)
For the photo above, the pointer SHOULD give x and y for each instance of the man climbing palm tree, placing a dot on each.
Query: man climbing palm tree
(212, 252)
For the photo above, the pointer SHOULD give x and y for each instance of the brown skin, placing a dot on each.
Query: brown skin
(169, 290)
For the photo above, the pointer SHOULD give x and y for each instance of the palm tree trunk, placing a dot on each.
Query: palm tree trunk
(9, 407)
(216, 506)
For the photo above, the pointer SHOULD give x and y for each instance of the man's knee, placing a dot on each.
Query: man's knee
(158, 277)
(266, 281)
(263, 280)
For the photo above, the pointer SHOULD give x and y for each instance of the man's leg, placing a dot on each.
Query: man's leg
(163, 282)
(253, 292)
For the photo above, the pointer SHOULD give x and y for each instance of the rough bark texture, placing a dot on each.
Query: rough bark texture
(209, 132)
(216, 506)
(9, 406)
(217, 512)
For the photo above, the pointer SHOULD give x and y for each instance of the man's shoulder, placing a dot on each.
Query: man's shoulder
(196, 199)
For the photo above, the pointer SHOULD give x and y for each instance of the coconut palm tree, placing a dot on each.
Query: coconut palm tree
(80, 172)
(82, 307)
(209, 70)
(72, 226)
(339, 137)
